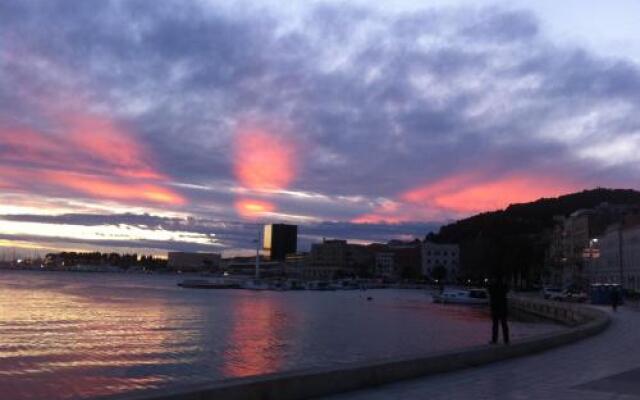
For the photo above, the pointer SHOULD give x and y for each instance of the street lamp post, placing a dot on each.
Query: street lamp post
(620, 257)
(258, 244)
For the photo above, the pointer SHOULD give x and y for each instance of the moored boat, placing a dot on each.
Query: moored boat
(207, 284)
(462, 296)
(319, 285)
(257, 284)
(346, 285)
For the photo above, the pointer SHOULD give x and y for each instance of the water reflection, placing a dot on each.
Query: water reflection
(257, 329)
(56, 341)
(71, 335)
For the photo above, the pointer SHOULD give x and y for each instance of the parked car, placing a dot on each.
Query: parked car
(462, 296)
(575, 296)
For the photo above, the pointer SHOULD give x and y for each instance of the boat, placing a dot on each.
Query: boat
(319, 285)
(462, 296)
(207, 284)
(346, 285)
(279, 286)
(294, 284)
(257, 284)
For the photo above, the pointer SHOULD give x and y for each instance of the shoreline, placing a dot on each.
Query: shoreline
(584, 321)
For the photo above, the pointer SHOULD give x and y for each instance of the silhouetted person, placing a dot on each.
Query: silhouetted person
(615, 299)
(498, 300)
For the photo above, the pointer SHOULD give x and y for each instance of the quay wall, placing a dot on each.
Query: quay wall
(582, 321)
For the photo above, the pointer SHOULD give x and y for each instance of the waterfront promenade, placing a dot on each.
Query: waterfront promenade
(605, 366)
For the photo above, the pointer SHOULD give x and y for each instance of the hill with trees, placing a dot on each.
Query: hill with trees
(513, 241)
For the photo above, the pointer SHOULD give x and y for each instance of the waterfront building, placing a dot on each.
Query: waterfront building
(630, 255)
(555, 254)
(407, 258)
(360, 260)
(385, 265)
(576, 231)
(294, 265)
(570, 258)
(441, 257)
(280, 240)
(184, 261)
(246, 267)
(333, 259)
(327, 259)
(617, 259)
(397, 259)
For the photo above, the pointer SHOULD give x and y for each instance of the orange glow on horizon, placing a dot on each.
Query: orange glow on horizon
(104, 188)
(95, 186)
(249, 208)
(21, 244)
(386, 213)
(442, 186)
(465, 194)
(377, 219)
(470, 197)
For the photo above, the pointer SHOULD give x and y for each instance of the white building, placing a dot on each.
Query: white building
(618, 258)
(441, 255)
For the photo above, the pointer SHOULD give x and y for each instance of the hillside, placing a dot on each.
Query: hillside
(535, 216)
(513, 241)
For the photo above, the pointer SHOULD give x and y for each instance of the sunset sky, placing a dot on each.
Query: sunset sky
(155, 125)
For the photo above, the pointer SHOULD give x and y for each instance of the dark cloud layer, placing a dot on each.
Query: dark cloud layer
(380, 105)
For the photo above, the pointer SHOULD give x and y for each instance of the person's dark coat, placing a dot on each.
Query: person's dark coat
(498, 299)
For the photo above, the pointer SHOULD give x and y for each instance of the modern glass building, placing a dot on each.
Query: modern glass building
(280, 240)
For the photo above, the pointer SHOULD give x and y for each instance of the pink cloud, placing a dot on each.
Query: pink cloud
(89, 155)
(465, 194)
(263, 160)
(251, 208)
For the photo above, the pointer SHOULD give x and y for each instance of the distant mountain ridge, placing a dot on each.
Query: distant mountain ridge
(514, 240)
(536, 215)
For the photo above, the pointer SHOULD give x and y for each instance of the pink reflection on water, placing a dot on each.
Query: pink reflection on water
(73, 335)
(257, 331)
(59, 345)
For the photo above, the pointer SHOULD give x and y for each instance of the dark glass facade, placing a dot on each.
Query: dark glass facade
(280, 240)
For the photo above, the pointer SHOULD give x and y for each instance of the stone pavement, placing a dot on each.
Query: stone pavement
(606, 366)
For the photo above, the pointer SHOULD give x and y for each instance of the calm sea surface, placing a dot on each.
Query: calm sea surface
(75, 335)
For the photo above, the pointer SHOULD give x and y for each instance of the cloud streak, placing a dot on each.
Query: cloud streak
(158, 234)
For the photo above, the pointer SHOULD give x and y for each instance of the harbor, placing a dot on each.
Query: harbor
(80, 336)
(282, 284)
